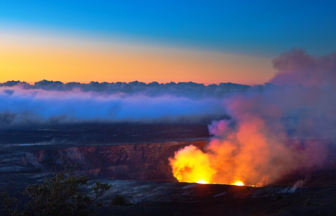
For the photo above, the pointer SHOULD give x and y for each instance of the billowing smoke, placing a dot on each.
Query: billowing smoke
(297, 67)
(48, 102)
(273, 132)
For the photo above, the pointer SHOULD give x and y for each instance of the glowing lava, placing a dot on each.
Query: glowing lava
(238, 183)
(190, 164)
(202, 182)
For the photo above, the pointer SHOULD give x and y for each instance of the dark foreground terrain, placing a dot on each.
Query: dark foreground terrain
(134, 159)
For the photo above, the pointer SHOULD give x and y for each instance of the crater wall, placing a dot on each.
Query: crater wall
(128, 161)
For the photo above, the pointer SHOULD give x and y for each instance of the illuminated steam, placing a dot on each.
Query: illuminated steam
(272, 132)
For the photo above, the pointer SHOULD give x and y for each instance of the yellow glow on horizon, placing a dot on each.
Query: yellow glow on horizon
(28, 60)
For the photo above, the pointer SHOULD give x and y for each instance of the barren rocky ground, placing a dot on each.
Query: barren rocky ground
(134, 159)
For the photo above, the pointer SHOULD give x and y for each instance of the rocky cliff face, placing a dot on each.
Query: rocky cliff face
(129, 161)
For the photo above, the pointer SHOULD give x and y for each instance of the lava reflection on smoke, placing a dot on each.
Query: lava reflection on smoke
(255, 144)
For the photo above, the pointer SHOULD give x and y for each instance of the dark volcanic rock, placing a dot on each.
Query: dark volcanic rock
(126, 155)
(133, 161)
(117, 151)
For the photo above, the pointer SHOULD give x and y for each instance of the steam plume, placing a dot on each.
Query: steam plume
(272, 132)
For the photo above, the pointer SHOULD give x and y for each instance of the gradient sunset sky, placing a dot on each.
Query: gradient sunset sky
(200, 41)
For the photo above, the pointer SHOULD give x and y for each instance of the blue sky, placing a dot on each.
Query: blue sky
(243, 27)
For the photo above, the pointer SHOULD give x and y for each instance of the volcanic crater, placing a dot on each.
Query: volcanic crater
(134, 158)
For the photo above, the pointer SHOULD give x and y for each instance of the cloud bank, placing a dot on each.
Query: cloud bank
(21, 107)
(183, 89)
(54, 102)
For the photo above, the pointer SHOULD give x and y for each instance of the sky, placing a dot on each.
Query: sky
(200, 41)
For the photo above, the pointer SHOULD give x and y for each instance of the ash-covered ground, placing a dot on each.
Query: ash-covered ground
(134, 159)
(100, 134)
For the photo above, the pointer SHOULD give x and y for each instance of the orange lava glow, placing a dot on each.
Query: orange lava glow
(202, 182)
(193, 161)
(233, 159)
(238, 183)
(249, 154)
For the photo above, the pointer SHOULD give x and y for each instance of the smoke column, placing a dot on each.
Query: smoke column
(272, 132)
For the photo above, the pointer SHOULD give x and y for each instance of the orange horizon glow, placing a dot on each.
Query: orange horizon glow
(32, 59)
